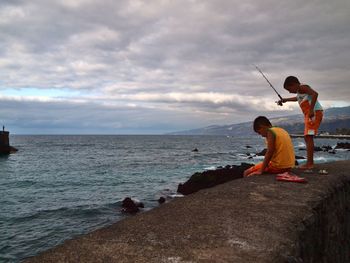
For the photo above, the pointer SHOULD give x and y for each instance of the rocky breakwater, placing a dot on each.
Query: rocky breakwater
(212, 178)
(343, 145)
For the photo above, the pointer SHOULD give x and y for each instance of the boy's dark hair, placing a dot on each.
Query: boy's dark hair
(261, 121)
(290, 81)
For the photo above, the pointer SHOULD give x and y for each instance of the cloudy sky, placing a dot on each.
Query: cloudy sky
(141, 67)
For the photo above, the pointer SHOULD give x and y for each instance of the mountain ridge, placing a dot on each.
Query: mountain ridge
(334, 118)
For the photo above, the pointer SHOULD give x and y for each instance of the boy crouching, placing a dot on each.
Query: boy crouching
(280, 156)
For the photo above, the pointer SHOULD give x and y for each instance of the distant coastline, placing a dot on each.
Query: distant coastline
(328, 136)
(335, 119)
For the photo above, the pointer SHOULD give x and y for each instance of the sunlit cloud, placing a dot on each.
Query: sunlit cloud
(158, 66)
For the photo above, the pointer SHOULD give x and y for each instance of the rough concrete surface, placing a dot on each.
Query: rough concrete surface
(255, 219)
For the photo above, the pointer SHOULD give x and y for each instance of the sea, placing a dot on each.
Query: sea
(58, 187)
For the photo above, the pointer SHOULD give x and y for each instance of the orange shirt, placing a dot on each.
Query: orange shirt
(283, 156)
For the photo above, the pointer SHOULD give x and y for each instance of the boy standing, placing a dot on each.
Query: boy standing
(313, 113)
(279, 157)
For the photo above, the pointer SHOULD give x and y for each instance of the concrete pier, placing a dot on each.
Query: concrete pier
(4, 137)
(5, 147)
(255, 219)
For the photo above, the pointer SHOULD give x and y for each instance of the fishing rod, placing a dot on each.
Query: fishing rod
(278, 102)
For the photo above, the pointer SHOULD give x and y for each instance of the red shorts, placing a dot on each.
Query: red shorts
(312, 125)
(268, 169)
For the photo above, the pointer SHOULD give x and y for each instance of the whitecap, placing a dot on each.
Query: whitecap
(341, 150)
(210, 168)
(300, 145)
(176, 195)
(323, 159)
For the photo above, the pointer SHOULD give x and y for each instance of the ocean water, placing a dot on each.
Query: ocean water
(57, 187)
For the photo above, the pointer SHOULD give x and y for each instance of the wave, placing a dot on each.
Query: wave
(75, 211)
(210, 168)
(300, 145)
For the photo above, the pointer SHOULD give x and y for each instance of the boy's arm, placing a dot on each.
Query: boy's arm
(308, 90)
(289, 99)
(270, 150)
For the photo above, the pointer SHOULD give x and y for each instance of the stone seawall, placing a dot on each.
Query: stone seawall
(255, 219)
(325, 235)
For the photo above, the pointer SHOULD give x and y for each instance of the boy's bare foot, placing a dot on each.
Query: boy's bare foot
(306, 167)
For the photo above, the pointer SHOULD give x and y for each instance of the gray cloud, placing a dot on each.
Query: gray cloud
(127, 59)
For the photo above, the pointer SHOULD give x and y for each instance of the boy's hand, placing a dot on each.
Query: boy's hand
(281, 101)
(256, 173)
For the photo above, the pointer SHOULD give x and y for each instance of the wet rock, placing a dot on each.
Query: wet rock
(343, 145)
(161, 200)
(211, 178)
(297, 157)
(302, 149)
(262, 153)
(248, 147)
(332, 152)
(131, 206)
(318, 149)
(327, 148)
(195, 150)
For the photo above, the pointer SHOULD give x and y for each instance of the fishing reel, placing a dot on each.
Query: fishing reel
(279, 103)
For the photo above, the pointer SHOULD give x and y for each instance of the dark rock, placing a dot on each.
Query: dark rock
(248, 154)
(195, 150)
(161, 200)
(343, 145)
(318, 149)
(250, 157)
(262, 153)
(302, 149)
(327, 148)
(248, 147)
(332, 152)
(131, 206)
(211, 178)
(299, 157)
(6, 149)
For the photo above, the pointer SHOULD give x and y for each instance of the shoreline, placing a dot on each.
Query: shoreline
(340, 137)
(250, 219)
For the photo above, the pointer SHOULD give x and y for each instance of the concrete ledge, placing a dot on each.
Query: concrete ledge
(256, 219)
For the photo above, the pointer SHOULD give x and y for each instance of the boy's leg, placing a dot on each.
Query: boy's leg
(256, 168)
(311, 127)
(309, 141)
(273, 170)
(252, 169)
